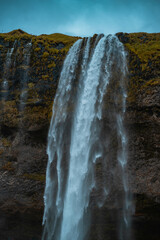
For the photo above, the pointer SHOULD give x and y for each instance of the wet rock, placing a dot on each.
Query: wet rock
(23, 134)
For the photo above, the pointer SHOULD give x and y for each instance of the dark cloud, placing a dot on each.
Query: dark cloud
(80, 17)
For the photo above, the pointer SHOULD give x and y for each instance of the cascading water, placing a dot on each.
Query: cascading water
(120, 103)
(76, 139)
(7, 65)
(26, 62)
(58, 143)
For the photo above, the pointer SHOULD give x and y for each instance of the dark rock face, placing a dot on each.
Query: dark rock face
(23, 133)
(142, 123)
(143, 112)
(26, 108)
(143, 126)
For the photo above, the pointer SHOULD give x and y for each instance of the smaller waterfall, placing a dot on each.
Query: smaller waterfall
(7, 66)
(127, 206)
(24, 81)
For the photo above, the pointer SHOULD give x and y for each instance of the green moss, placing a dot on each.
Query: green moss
(45, 58)
(59, 38)
(144, 61)
(8, 167)
(31, 85)
(35, 176)
(52, 65)
(10, 113)
(15, 34)
(1, 151)
(53, 51)
(145, 46)
(37, 49)
(40, 113)
(152, 82)
(48, 41)
(6, 142)
(45, 77)
(45, 55)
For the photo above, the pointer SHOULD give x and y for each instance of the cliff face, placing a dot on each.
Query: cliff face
(31, 67)
(143, 112)
(32, 75)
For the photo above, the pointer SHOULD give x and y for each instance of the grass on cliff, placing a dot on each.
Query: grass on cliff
(146, 46)
(47, 55)
(15, 34)
(58, 37)
(35, 176)
(144, 70)
(49, 42)
(45, 39)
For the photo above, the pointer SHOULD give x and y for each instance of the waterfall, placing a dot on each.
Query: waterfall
(77, 141)
(26, 62)
(58, 143)
(6, 71)
(127, 204)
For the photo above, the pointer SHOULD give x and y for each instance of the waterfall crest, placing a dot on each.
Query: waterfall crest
(79, 139)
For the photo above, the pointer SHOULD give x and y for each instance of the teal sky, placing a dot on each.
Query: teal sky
(80, 17)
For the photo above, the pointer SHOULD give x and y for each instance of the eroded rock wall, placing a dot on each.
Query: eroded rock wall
(26, 109)
(25, 120)
(143, 111)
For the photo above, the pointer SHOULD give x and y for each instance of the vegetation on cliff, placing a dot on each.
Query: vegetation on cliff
(47, 56)
(26, 110)
(23, 133)
(144, 62)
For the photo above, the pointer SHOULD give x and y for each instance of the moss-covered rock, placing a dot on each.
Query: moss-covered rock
(40, 76)
(32, 74)
(144, 61)
(143, 113)
(27, 108)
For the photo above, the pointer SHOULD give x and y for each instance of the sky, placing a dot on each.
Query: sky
(80, 17)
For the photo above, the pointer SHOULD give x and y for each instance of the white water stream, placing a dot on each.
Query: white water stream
(74, 132)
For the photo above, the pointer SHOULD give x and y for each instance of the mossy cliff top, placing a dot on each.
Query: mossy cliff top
(47, 56)
(40, 76)
(144, 63)
(52, 39)
(32, 72)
